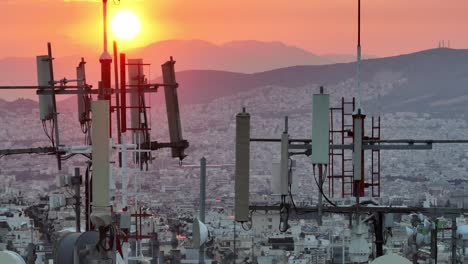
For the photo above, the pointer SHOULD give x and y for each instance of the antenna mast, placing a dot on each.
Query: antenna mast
(105, 58)
(358, 77)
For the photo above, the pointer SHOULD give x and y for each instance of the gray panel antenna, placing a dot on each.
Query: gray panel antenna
(284, 164)
(320, 128)
(242, 167)
(83, 100)
(172, 107)
(46, 101)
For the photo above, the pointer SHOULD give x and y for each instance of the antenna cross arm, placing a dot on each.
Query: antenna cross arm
(154, 85)
(42, 90)
(181, 145)
(39, 150)
(369, 144)
(433, 211)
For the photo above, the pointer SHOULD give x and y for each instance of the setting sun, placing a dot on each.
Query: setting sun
(125, 25)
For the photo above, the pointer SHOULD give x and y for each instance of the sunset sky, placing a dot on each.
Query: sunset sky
(328, 26)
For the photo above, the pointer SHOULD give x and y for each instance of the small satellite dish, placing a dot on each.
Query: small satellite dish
(462, 232)
(391, 259)
(10, 257)
(200, 233)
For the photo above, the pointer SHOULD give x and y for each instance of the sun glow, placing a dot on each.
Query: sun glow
(125, 25)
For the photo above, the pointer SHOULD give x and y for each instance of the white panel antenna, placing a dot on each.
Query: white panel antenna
(135, 76)
(83, 100)
(101, 163)
(320, 128)
(46, 101)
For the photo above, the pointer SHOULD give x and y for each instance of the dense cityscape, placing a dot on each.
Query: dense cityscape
(169, 190)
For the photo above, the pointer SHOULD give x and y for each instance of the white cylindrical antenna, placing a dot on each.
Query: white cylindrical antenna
(320, 138)
(242, 171)
(101, 215)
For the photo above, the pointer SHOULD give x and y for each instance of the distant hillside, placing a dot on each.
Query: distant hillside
(239, 56)
(18, 106)
(236, 56)
(343, 58)
(22, 71)
(436, 80)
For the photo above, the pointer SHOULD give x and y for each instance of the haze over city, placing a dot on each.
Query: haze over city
(233, 131)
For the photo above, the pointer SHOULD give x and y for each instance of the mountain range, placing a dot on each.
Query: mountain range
(433, 80)
(237, 56)
(246, 56)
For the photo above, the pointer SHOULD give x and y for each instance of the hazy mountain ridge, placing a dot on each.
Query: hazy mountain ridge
(432, 77)
(239, 56)
(433, 81)
(245, 56)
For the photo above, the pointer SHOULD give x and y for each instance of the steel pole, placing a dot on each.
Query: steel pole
(358, 73)
(77, 183)
(54, 102)
(454, 240)
(201, 255)
(105, 59)
(117, 99)
(320, 202)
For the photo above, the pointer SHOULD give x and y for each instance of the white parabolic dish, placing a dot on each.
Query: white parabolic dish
(391, 259)
(10, 257)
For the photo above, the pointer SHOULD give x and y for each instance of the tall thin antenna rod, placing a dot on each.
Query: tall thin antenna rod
(201, 258)
(202, 188)
(54, 104)
(358, 75)
(359, 23)
(104, 15)
(105, 58)
(117, 99)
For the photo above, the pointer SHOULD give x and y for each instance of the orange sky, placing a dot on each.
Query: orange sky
(326, 26)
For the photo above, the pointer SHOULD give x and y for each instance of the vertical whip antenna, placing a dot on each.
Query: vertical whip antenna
(358, 74)
(104, 24)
